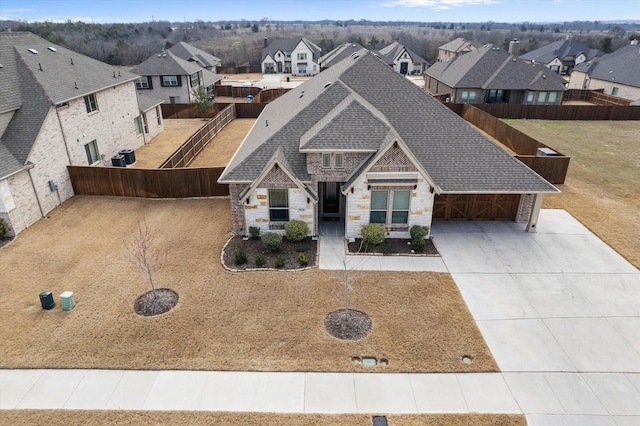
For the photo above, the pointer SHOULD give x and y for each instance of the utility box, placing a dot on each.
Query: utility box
(46, 300)
(129, 156)
(118, 161)
(67, 301)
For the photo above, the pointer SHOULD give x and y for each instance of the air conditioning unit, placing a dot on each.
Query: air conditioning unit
(546, 152)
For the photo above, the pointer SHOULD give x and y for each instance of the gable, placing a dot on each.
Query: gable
(394, 160)
(276, 178)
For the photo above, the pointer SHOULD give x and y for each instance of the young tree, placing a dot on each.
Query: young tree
(143, 254)
(201, 100)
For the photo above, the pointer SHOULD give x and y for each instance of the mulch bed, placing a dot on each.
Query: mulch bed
(5, 240)
(393, 246)
(252, 247)
(149, 304)
(357, 327)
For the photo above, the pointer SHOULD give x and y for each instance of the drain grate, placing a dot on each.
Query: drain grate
(379, 421)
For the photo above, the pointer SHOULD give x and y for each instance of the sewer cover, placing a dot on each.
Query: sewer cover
(369, 362)
(467, 359)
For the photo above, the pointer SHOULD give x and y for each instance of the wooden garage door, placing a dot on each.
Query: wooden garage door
(476, 206)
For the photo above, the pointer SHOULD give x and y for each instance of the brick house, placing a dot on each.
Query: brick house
(562, 56)
(293, 56)
(359, 143)
(455, 48)
(403, 60)
(60, 108)
(489, 74)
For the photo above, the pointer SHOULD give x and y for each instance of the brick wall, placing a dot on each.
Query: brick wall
(524, 208)
(26, 211)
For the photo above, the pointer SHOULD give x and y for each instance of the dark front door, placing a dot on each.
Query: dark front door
(331, 198)
(404, 67)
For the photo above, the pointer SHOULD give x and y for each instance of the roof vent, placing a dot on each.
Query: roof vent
(71, 61)
(514, 60)
(1, 66)
(53, 49)
(327, 84)
(34, 51)
(355, 55)
(544, 76)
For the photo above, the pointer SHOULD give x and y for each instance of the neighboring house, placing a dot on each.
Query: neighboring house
(339, 53)
(294, 56)
(404, 60)
(192, 54)
(562, 56)
(362, 144)
(618, 73)
(169, 78)
(60, 108)
(456, 48)
(491, 75)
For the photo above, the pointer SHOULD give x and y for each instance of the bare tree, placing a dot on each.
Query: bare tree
(143, 254)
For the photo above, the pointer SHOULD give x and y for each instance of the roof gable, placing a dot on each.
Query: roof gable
(561, 49)
(166, 63)
(188, 52)
(621, 66)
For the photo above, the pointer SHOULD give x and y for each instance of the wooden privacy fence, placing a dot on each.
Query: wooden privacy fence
(236, 91)
(147, 183)
(268, 95)
(188, 151)
(558, 112)
(243, 110)
(553, 167)
(595, 97)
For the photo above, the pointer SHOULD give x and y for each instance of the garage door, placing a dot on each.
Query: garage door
(476, 206)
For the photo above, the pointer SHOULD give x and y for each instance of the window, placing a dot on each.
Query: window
(92, 152)
(91, 103)
(585, 85)
(171, 80)
(302, 68)
(530, 98)
(542, 97)
(144, 82)
(269, 68)
(468, 97)
(326, 161)
(278, 205)
(614, 91)
(495, 96)
(159, 115)
(399, 207)
(302, 56)
(138, 125)
(144, 123)
(174, 99)
(338, 161)
(552, 97)
(195, 79)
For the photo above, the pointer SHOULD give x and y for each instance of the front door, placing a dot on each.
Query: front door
(404, 67)
(331, 198)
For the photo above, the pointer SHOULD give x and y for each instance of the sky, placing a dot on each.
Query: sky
(109, 11)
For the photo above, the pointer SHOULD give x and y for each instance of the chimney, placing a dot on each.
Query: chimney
(512, 46)
(266, 42)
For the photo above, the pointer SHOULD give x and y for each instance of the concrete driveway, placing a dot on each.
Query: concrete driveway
(559, 310)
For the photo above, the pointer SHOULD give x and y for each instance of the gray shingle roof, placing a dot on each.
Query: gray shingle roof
(339, 53)
(189, 53)
(166, 63)
(146, 102)
(457, 156)
(621, 66)
(394, 49)
(288, 45)
(459, 45)
(489, 68)
(34, 82)
(565, 50)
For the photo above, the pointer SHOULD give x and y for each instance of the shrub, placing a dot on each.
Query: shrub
(240, 257)
(302, 247)
(280, 261)
(418, 234)
(260, 260)
(372, 233)
(4, 228)
(254, 232)
(296, 230)
(272, 241)
(303, 258)
(386, 248)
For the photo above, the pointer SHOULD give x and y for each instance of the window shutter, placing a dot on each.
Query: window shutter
(150, 80)
(179, 77)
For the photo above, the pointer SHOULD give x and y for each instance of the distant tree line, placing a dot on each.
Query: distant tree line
(240, 42)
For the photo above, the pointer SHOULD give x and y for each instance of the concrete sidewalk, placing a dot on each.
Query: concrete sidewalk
(559, 310)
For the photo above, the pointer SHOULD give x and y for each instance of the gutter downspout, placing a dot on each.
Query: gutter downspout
(31, 165)
(535, 212)
(64, 137)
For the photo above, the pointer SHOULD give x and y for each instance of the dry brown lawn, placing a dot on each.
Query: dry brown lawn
(196, 418)
(245, 321)
(602, 189)
(219, 151)
(176, 132)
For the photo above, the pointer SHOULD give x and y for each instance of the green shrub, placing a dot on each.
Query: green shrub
(280, 261)
(240, 257)
(296, 230)
(303, 258)
(386, 248)
(272, 241)
(260, 260)
(4, 228)
(372, 233)
(254, 232)
(418, 234)
(302, 247)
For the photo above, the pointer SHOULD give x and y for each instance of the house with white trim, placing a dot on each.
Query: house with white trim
(297, 56)
(404, 60)
(359, 144)
(455, 48)
(562, 56)
(60, 108)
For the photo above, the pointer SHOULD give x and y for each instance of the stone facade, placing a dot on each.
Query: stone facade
(23, 210)
(524, 208)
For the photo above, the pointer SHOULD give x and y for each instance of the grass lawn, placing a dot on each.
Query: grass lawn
(245, 321)
(602, 189)
(196, 418)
